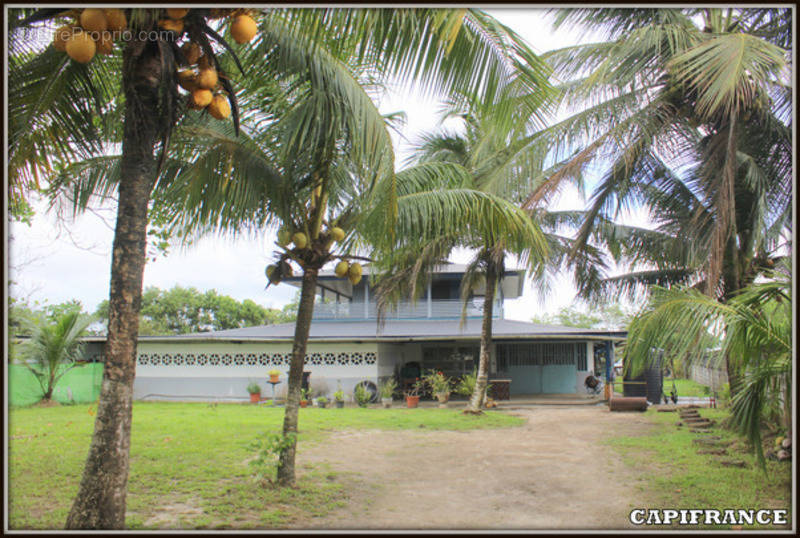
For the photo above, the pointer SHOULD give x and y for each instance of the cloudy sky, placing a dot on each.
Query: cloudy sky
(55, 260)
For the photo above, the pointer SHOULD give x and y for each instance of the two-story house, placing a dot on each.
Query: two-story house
(347, 345)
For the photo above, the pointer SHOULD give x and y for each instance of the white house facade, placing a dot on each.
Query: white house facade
(347, 345)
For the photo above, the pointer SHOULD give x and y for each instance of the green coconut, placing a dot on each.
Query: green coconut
(284, 237)
(337, 234)
(354, 273)
(300, 240)
(272, 273)
(342, 269)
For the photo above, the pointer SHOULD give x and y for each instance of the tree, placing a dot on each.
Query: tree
(186, 310)
(498, 159)
(54, 347)
(694, 124)
(607, 316)
(64, 110)
(753, 328)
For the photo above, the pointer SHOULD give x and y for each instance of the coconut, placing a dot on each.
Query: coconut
(175, 13)
(104, 44)
(219, 107)
(300, 240)
(171, 25)
(116, 19)
(61, 37)
(284, 237)
(202, 98)
(243, 28)
(186, 79)
(354, 279)
(337, 234)
(342, 269)
(81, 47)
(94, 20)
(355, 271)
(271, 271)
(207, 78)
(191, 51)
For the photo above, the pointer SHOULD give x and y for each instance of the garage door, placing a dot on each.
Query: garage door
(540, 368)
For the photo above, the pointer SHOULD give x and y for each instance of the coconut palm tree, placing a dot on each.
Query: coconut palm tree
(753, 328)
(300, 64)
(53, 349)
(500, 158)
(688, 114)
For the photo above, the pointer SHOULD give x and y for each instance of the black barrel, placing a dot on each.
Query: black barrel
(649, 383)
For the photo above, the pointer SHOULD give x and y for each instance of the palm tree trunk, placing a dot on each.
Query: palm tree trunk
(479, 393)
(100, 502)
(305, 311)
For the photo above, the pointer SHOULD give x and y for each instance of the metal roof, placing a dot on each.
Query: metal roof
(402, 331)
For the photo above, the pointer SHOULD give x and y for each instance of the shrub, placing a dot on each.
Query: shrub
(387, 388)
(361, 395)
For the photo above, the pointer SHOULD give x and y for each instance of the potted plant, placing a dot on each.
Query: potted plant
(338, 397)
(439, 385)
(412, 395)
(361, 395)
(274, 376)
(255, 392)
(386, 390)
(303, 397)
(322, 401)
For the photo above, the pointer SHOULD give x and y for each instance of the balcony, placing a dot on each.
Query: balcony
(422, 309)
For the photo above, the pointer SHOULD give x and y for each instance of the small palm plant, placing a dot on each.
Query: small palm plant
(54, 349)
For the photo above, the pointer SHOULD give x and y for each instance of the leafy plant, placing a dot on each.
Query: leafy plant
(339, 395)
(268, 448)
(466, 384)
(54, 348)
(303, 394)
(254, 388)
(416, 389)
(361, 395)
(274, 372)
(322, 400)
(437, 381)
(387, 388)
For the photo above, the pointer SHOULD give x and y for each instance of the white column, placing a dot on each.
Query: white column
(366, 300)
(430, 304)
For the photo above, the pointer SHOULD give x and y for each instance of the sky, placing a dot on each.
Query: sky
(55, 260)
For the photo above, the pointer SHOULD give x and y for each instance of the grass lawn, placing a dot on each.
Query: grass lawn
(685, 387)
(189, 462)
(682, 478)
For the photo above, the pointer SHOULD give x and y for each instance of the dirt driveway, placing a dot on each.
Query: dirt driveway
(551, 473)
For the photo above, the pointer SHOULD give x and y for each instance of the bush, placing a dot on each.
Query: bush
(387, 388)
(361, 395)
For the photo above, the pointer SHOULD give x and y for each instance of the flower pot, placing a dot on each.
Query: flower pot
(387, 402)
(274, 378)
(443, 397)
(255, 397)
(303, 403)
(322, 404)
(412, 401)
(339, 404)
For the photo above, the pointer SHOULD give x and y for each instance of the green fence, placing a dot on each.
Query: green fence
(80, 384)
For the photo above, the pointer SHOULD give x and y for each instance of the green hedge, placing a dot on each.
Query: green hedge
(82, 381)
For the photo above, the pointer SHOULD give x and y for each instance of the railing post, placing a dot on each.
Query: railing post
(430, 303)
(366, 301)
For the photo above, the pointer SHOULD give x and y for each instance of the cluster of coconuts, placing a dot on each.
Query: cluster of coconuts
(200, 78)
(300, 241)
(92, 33)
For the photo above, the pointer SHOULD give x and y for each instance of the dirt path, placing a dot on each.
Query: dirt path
(551, 473)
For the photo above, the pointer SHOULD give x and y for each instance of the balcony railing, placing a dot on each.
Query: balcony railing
(436, 309)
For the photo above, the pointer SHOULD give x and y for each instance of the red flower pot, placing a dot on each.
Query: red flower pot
(412, 401)
(274, 378)
(255, 398)
(303, 403)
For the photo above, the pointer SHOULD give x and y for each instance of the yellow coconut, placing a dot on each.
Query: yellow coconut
(355, 272)
(354, 279)
(202, 98)
(175, 13)
(116, 19)
(341, 269)
(191, 105)
(219, 107)
(61, 37)
(243, 28)
(104, 44)
(94, 20)
(207, 78)
(337, 234)
(300, 240)
(192, 52)
(186, 80)
(171, 25)
(81, 47)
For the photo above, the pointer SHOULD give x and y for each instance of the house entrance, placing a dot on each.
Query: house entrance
(541, 368)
